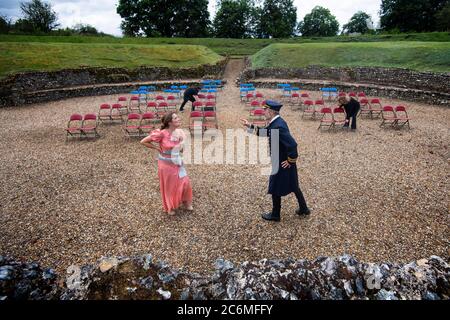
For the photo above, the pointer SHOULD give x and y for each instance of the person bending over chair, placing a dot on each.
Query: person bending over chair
(351, 107)
(189, 96)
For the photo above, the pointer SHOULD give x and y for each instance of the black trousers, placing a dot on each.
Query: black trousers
(276, 203)
(353, 116)
(186, 99)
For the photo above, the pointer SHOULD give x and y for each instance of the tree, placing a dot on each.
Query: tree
(442, 19)
(39, 15)
(235, 13)
(5, 24)
(277, 19)
(153, 18)
(358, 23)
(410, 15)
(85, 29)
(319, 23)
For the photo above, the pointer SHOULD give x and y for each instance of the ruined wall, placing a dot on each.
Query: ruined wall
(144, 277)
(30, 87)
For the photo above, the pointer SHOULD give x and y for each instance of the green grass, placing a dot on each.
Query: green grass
(422, 56)
(34, 56)
(233, 47)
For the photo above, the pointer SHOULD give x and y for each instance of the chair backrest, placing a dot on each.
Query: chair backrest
(325, 110)
(134, 116)
(210, 104)
(255, 103)
(388, 109)
(196, 114)
(210, 96)
(259, 95)
(122, 99)
(304, 95)
(295, 95)
(159, 97)
(198, 104)
(171, 97)
(318, 102)
(259, 112)
(209, 114)
(342, 94)
(400, 109)
(364, 101)
(375, 100)
(338, 110)
(308, 102)
(134, 98)
(352, 94)
(151, 104)
(90, 116)
(148, 115)
(361, 94)
(201, 96)
(162, 104)
(75, 117)
(105, 106)
(174, 87)
(116, 106)
(249, 95)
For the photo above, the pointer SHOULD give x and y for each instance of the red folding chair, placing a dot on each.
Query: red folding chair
(134, 104)
(151, 107)
(201, 96)
(149, 122)
(116, 112)
(132, 123)
(375, 107)
(342, 94)
(257, 117)
(318, 105)
(309, 109)
(327, 118)
(255, 104)
(160, 98)
(197, 105)
(339, 117)
(74, 126)
(353, 95)
(104, 112)
(402, 117)
(210, 120)
(249, 97)
(161, 109)
(211, 97)
(171, 103)
(388, 117)
(196, 121)
(210, 106)
(295, 99)
(124, 103)
(259, 96)
(89, 126)
(365, 107)
(361, 95)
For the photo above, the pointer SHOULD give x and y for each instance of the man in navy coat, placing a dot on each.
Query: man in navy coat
(285, 179)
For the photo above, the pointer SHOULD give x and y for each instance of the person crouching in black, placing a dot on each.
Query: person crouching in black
(351, 107)
(189, 96)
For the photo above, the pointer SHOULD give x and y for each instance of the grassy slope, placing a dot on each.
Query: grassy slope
(234, 47)
(423, 56)
(21, 56)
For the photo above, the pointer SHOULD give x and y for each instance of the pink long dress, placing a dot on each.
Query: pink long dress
(174, 190)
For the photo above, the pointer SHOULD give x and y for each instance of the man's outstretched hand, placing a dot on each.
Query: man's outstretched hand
(245, 123)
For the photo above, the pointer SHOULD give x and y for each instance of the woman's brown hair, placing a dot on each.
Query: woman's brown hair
(166, 120)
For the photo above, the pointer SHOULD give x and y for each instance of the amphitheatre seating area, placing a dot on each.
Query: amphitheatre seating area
(141, 110)
(323, 106)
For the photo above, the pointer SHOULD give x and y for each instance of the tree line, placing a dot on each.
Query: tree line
(240, 19)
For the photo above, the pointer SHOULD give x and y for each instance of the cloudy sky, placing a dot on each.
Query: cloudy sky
(102, 13)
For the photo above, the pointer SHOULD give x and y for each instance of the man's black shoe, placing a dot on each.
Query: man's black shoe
(303, 213)
(270, 217)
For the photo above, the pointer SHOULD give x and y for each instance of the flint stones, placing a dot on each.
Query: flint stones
(165, 294)
(6, 272)
(107, 264)
(386, 295)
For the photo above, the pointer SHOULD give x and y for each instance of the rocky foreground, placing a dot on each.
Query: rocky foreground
(143, 277)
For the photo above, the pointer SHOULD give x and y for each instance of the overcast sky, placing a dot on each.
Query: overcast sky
(102, 13)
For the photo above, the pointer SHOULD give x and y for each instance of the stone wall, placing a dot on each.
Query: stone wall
(20, 88)
(422, 85)
(144, 277)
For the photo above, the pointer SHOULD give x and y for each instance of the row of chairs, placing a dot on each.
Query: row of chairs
(202, 120)
(137, 125)
(82, 126)
(332, 118)
(395, 117)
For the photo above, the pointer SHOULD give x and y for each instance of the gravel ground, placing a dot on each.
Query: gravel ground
(378, 194)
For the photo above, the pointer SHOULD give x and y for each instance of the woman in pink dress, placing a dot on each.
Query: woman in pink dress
(174, 183)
